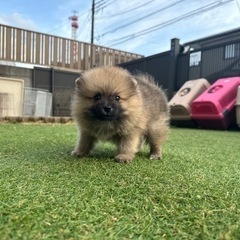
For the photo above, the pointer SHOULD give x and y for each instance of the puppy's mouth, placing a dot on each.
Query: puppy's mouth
(108, 118)
(103, 116)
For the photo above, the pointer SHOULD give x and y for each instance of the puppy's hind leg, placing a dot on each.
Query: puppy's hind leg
(156, 138)
(155, 144)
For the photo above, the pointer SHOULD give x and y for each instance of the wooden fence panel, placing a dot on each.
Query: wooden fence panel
(31, 47)
(18, 45)
(8, 44)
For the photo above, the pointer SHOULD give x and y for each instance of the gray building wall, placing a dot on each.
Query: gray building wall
(17, 72)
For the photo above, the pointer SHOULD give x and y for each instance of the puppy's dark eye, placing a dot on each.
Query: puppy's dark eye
(117, 98)
(97, 97)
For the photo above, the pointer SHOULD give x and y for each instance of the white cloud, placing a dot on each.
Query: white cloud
(18, 20)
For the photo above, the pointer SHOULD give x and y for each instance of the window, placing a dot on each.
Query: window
(232, 50)
(195, 59)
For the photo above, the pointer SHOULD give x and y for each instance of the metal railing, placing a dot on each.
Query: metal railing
(20, 45)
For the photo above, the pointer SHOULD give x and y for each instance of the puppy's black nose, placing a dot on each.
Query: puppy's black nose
(107, 109)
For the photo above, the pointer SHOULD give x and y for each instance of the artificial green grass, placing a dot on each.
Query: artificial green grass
(192, 193)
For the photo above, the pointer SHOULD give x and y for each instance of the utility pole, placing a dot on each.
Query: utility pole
(92, 35)
(93, 15)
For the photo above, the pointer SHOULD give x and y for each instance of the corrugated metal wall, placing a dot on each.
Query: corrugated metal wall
(156, 65)
(212, 61)
(182, 71)
(214, 64)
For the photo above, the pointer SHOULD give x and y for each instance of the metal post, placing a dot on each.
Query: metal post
(174, 52)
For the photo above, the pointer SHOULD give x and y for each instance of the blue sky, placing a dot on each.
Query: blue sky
(148, 24)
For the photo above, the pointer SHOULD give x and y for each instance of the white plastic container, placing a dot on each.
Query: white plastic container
(180, 104)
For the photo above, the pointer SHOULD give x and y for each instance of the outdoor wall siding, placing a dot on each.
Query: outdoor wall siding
(212, 61)
(17, 72)
(156, 65)
(61, 84)
(182, 71)
(212, 66)
(42, 78)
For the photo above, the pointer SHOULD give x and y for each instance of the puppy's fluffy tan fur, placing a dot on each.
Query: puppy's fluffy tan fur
(111, 104)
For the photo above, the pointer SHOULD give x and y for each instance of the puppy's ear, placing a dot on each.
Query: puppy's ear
(130, 86)
(133, 83)
(79, 81)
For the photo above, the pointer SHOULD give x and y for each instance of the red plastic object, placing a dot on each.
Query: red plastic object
(238, 107)
(215, 107)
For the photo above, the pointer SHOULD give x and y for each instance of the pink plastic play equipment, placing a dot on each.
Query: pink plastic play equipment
(215, 107)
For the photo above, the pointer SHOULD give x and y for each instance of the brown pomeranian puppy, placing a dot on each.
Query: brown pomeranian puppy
(111, 104)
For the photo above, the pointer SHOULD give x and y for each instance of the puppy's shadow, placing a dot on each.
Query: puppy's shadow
(108, 150)
(103, 151)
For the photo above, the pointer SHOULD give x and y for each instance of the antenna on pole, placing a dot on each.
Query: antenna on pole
(74, 19)
(74, 24)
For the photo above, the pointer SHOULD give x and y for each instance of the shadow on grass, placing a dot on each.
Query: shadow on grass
(106, 152)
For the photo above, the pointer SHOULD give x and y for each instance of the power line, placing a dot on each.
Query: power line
(141, 18)
(126, 10)
(167, 23)
(56, 28)
(103, 5)
(238, 6)
(100, 5)
(67, 22)
(201, 10)
(100, 1)
(85, 22)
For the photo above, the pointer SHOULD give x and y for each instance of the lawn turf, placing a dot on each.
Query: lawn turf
(192, 193)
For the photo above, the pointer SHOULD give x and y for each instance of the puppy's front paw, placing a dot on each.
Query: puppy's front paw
(123, 158)
(78, 154)
(155, 157)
